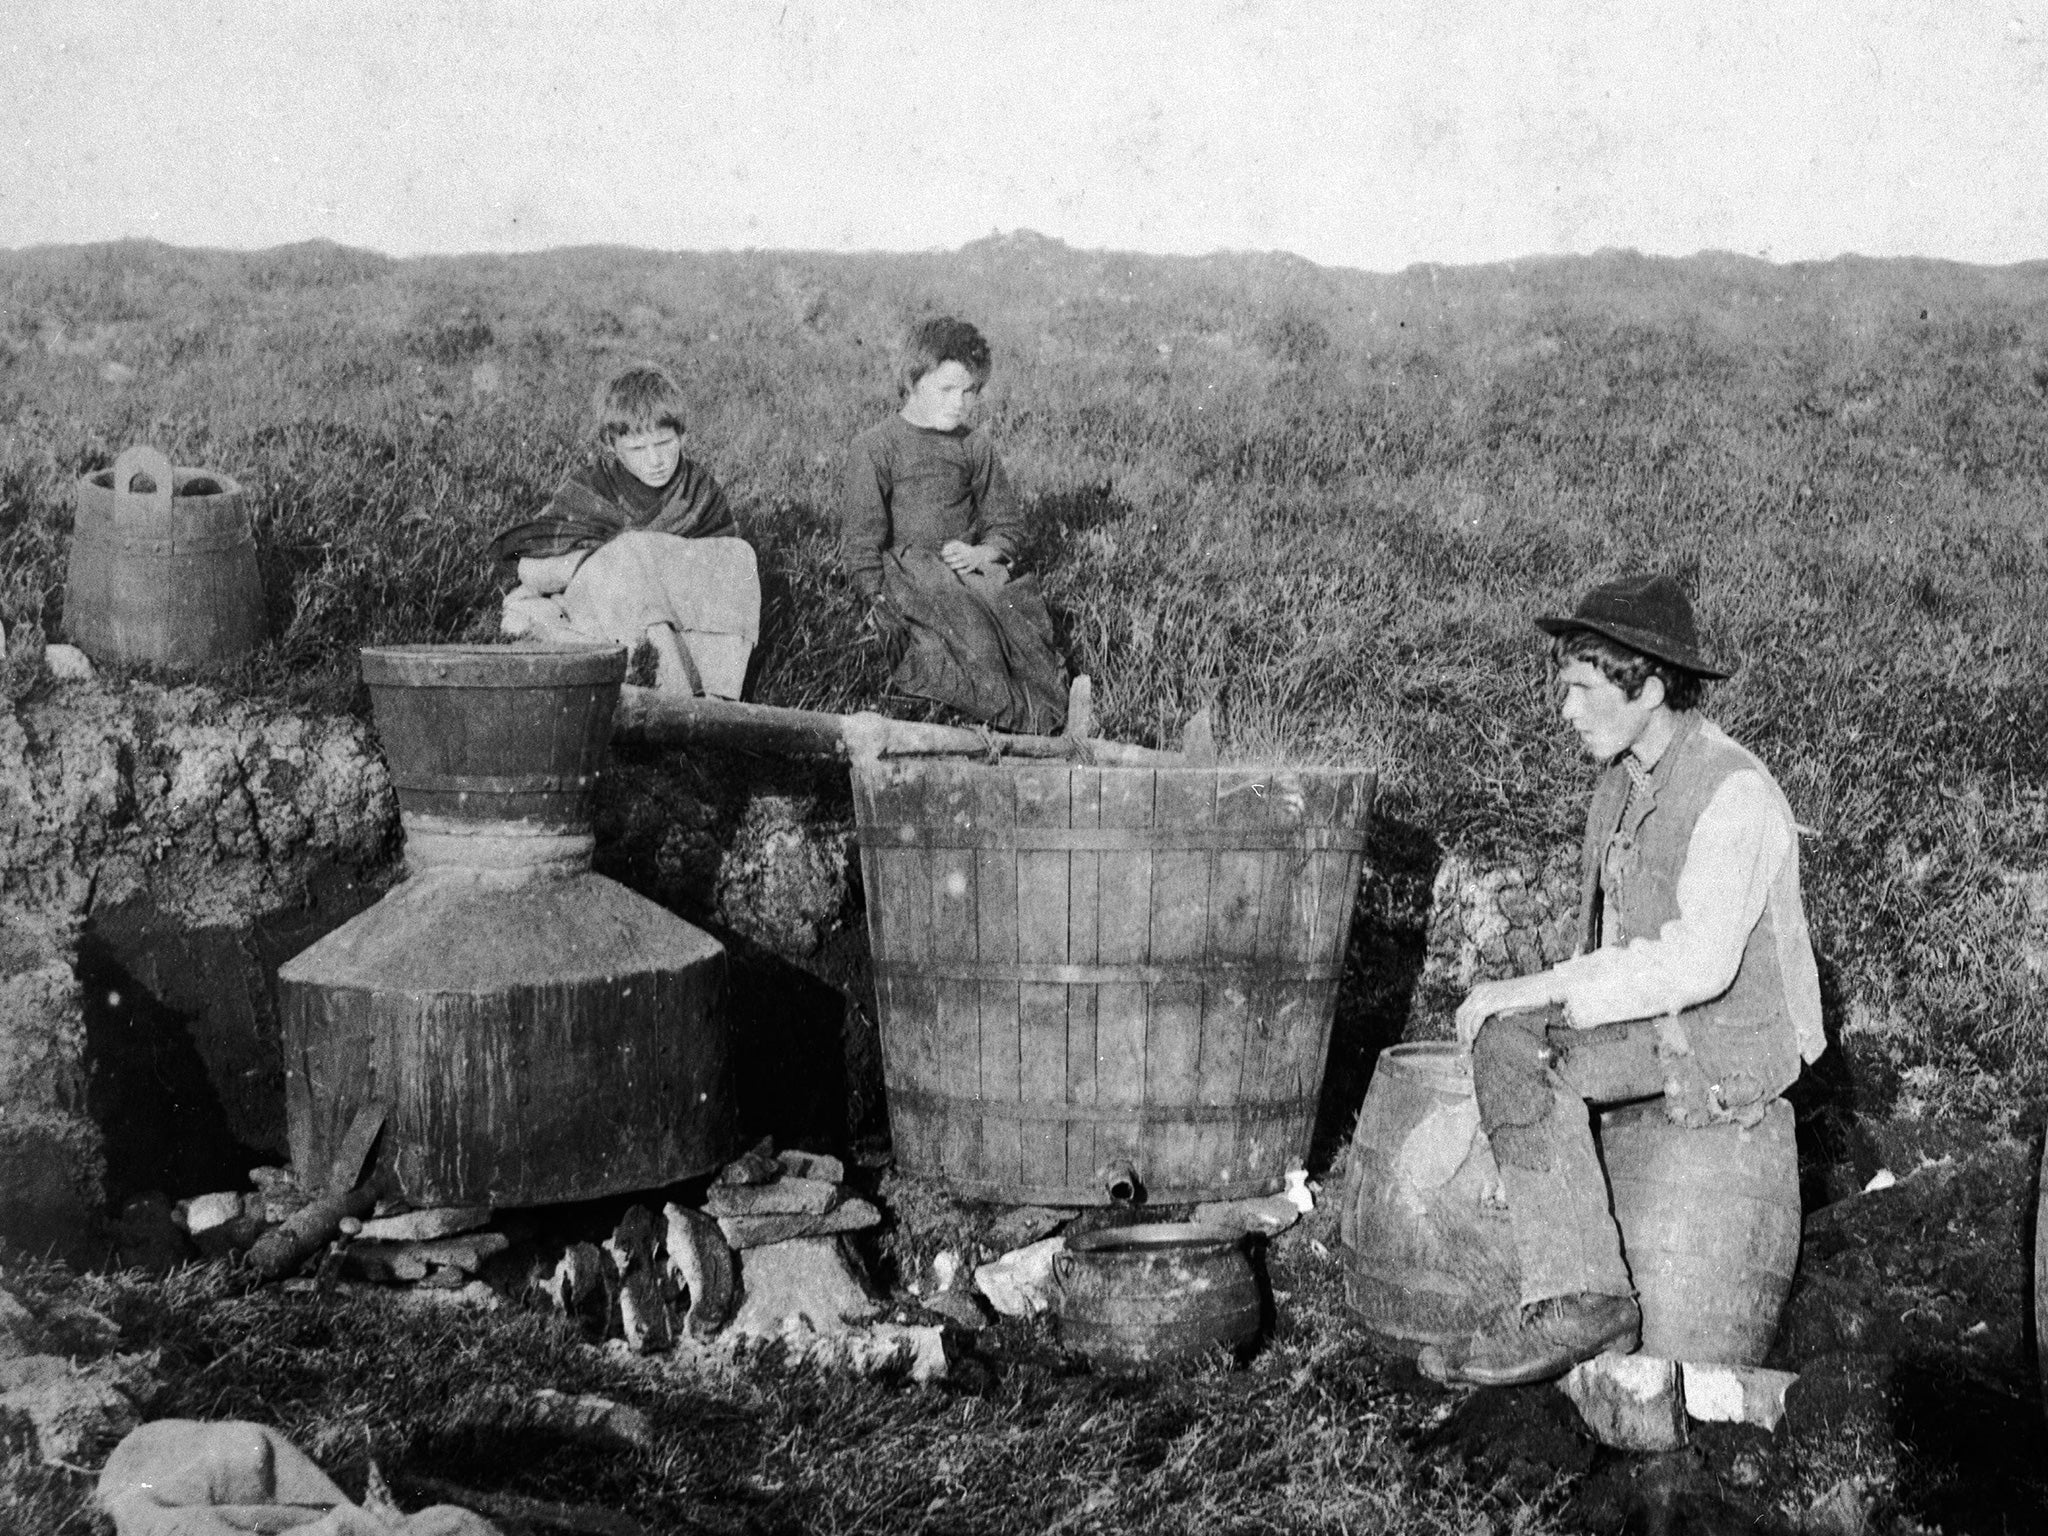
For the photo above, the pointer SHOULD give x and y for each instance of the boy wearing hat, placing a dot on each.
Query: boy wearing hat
(1695, 977)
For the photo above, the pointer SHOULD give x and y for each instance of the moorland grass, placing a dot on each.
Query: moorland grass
(1328, 502)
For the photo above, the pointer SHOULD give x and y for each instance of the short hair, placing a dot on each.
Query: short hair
(641, 399)
(935, 342)
(1627, 668)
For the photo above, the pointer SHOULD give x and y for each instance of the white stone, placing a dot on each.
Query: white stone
(1630, 1402)
(1300, 1192)
(67, 663)
(205, 1212)
(425, 1226)
(806, 1279)
(1736, 1394)
(1019, 1284)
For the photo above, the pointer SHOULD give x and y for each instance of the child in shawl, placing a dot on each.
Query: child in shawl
(639, 544)
(928, 530)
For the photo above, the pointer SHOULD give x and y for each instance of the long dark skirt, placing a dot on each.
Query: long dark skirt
(979, 643)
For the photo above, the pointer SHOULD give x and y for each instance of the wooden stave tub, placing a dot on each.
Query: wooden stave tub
(1045, 1108)
(496, 733)
(165, 578)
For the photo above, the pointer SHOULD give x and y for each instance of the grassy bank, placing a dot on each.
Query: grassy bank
(1328, 501)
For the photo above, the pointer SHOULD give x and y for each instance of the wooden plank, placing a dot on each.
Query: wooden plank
(995, 806)
(1084, 809)
(1042, 923)
(1124, 931)
(1273, 1001)
(1229, 1007)
(1184, 798)
(948, 797)
(899, 919)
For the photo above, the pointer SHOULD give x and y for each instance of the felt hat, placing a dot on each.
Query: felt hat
(1645, 613)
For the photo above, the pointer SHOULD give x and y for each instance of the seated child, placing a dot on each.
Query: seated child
(928, 529)
(638, 544)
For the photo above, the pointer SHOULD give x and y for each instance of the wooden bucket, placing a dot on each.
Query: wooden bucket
(1103, 983)
(495, 733)
(1129, 1297)
(166, 577)
(1428, 1245)
(1710, 1227)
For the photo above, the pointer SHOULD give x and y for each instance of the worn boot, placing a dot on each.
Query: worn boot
(1544, 1339)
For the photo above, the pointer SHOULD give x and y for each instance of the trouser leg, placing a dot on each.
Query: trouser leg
(1533, 1084)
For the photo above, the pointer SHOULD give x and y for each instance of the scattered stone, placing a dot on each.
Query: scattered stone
(701, 1264)
(446, 1277)
(744, 1232)
(204, 1212)
(1019, 1284)
(805, 1278)
(874, 1349)
(77, 1413)
(112, 372)
(466, 1253)
(384, 1264)
(425, 1226)
(1736, 1394)
(590, 1418)
(1025, 1224)
(787, 1196)
(1268, 1215)
(350, 1226)
(146, 1238)
(646, 1321)
(812, 1165)
(957, 1307)
(1629, 1402)
(757, 1166)
(67, 663)
(579, 1288)
(280, 1193)
(238, 1234)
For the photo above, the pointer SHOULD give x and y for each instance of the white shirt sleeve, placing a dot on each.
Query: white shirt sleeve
(1738, 846)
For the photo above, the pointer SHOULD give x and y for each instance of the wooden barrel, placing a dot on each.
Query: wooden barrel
(166, 577)
(1428, 1246)
(1710, 1227)
(1128, 1297)
(1098, 983)
(495, 733)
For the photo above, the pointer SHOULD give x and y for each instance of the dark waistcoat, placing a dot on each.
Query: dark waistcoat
(1633, 854)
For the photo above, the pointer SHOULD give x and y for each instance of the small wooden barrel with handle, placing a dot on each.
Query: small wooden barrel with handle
(166, 577)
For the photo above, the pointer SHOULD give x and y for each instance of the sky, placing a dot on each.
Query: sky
(1359, 133)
